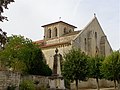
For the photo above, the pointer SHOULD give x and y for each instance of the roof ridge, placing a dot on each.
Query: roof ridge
(58, 22)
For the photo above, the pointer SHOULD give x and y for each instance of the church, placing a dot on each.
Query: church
(61, 35)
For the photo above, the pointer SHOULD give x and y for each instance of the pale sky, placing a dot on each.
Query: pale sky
(27, 16)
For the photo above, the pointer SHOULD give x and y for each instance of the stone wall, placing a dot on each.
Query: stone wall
(60, 26)
(60, 39)
(8, 78)
(50, 52)
(89, 40)
(40, 80)
(91, 83)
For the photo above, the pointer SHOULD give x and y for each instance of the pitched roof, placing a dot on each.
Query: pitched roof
(39, 41)
(72, 33)
(94, 18)
(43, 45)
(59, 22)
(56, 44)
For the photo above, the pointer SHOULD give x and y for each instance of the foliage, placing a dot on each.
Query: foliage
(3, 39)
(10, 55)
(111, 67)
(4, 5)
(75, 66)
(33, 58)
(23, 55)
(27, 85)
(95, 64)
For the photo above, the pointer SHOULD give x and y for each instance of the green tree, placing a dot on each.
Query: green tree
(111, 67)
(33, 57)
(10, 55)
(4, 5)
(3, 39)
(23, 55)
(75, 66)
(95, 64)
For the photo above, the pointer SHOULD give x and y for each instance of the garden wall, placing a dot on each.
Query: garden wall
(91, 83)
(8, 78)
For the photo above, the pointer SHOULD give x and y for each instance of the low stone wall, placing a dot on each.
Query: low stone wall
(91, 83)
(8, 78)
(39, 80)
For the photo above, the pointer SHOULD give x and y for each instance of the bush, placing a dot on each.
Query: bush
(27, 85)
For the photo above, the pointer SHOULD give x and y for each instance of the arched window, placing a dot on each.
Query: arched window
(55, 29)
(49, 33)
(65, 31)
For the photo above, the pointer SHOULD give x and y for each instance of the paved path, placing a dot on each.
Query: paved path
(100, 89)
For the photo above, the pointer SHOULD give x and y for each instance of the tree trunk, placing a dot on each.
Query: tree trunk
(115, 84)
(76, 84)
(97, 84)
(118, 84)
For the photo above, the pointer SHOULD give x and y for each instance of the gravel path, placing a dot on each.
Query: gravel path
(100, 89)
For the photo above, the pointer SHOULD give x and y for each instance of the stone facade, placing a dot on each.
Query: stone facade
(57, 29)
(61, 35)
(91, 40)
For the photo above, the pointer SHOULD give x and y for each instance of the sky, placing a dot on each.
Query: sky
(27, 16)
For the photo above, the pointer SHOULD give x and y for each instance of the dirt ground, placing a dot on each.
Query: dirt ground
(100, 89)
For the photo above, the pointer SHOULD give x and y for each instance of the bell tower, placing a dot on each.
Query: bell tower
(57, 29)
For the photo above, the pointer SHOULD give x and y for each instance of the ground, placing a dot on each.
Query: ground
(100, 89)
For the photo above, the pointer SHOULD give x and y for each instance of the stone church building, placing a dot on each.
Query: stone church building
(91, 39)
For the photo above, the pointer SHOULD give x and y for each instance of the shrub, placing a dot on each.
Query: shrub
(27, 85)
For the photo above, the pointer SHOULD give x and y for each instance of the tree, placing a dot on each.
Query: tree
(3, 39)
(111, 67)
(22, 52)
(33, 57)
(4, 5)
(75, 66)
(95, 64)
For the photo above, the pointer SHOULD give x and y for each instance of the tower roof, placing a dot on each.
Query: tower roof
(59, 22)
